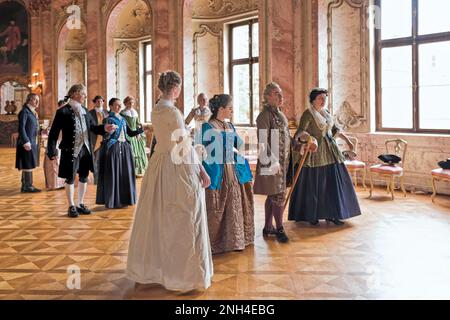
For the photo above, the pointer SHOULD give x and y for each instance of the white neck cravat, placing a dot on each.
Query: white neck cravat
(77, 107)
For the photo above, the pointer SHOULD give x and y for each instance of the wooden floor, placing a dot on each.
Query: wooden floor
(396, 249)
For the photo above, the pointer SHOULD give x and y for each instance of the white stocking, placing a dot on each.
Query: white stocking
(82, 188)
(70, 191)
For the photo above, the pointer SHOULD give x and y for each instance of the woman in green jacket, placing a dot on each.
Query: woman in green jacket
(324, 190)
(137, 143)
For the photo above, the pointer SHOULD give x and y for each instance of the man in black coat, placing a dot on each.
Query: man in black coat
(77, 156)
(98, 114)
(27, 150)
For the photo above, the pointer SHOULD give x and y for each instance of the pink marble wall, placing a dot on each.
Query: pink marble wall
(93, 50)
(323, 42)
(62, 38)
(188, 58)
(48, 55)
(113, 19)
(161, 38)
(280, 46)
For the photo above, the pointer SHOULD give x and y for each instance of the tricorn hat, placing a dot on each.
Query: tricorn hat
(445, 164)
(390, 158)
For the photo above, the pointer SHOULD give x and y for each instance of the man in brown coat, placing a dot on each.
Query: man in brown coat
(274, 141)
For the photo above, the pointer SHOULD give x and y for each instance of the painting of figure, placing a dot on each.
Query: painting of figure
(14, 51)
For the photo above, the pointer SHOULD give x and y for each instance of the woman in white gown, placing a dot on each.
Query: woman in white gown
(169, 242)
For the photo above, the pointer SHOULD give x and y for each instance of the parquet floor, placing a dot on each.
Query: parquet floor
(396, 250)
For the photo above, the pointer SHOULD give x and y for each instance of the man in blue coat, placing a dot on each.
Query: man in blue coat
(27, 150)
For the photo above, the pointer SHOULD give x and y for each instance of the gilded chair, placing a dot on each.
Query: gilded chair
(438, 175)
(354, 166)
(397, 147)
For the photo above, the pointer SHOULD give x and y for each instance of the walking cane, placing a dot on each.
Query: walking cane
(299, 169)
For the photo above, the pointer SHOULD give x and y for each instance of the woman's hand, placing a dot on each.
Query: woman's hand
(204, 178)
(313, 146)
(302, 137)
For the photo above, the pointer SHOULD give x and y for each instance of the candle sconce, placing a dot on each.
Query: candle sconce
(35, 85)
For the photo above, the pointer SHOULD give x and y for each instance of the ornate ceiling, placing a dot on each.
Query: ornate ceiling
(222, 8)
(133, 20)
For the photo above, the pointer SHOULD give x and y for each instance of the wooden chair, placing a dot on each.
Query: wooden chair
(438, 175)
(397, 147)
(14, 138)
(355, 166)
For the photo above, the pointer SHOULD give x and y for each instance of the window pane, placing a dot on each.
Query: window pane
(240, 42)
(149, 97)
(255, 91)
(396, 19)
(434, 80)
(241, 94)
(255, 40)
(433, 16)
(148, 57)
(396, 88)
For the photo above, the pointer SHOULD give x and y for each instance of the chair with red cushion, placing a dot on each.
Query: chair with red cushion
(438, 175)
(397, 147)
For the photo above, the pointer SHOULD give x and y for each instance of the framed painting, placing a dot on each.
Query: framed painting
(14, 39)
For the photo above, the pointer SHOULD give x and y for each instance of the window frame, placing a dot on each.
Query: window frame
(250, 61)
(415, 40)
(145, 73)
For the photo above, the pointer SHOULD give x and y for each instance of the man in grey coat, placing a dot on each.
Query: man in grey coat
(274, 141)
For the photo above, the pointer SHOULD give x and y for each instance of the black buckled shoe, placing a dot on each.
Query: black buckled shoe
(315, 223)
(27, 183)
(266, 232)
(336, 221)
(82, 209)
(32, 190)
(72, 212)
(281, 235)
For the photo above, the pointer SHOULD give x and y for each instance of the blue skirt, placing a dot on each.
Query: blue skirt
(324, 193)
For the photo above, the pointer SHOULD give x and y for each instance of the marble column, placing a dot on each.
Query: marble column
(35, 50)
(277, 52)
(94, 45)
(188, 57)
(48, 100)
(161, 41)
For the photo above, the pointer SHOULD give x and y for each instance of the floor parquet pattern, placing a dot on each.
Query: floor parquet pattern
(396, 250)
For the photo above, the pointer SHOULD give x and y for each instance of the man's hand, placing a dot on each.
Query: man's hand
(27, 146)
(275, 168)
(110, 128)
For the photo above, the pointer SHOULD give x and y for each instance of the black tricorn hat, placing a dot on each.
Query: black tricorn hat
(445, 164)
(390, 158)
